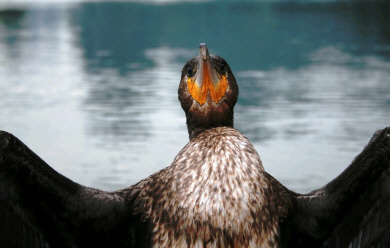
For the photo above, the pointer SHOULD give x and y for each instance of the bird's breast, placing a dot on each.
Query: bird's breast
(218, 195)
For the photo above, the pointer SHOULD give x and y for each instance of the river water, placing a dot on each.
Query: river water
(92, 86)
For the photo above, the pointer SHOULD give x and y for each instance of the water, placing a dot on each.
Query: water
(92, 87)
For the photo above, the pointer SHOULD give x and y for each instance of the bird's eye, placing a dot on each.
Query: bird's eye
(223, 68)
(190, 71)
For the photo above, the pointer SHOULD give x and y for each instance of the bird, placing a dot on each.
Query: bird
(216, 192)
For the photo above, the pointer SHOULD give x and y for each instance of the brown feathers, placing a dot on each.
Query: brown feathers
(215, 194)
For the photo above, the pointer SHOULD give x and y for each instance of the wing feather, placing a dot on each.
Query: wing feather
(41, 208)
(350, 211)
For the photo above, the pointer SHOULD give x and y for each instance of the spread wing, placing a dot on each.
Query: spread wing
(353, 210)
(41, 208)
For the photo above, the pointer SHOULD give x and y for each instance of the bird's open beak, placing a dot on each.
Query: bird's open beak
(206, 79)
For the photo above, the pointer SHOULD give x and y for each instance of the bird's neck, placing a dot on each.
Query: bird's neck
(198, 122)
(194, 131)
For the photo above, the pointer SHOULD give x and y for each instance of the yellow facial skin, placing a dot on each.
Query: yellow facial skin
(206, 80)
(217, 90)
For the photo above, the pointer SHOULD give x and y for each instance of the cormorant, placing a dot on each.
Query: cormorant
(215, 193)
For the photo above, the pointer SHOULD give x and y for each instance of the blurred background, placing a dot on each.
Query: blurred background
(91, 86)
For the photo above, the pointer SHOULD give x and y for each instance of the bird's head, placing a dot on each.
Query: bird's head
(208, 92)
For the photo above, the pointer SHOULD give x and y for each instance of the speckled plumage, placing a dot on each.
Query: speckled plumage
(215, 193)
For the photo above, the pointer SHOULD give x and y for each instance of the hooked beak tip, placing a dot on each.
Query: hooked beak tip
(203, 51)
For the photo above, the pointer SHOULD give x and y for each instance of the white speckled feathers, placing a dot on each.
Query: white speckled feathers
(216, 193)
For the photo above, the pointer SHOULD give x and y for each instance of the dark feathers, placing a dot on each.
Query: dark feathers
(215, 194)
(39, 207)
(351, 210)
